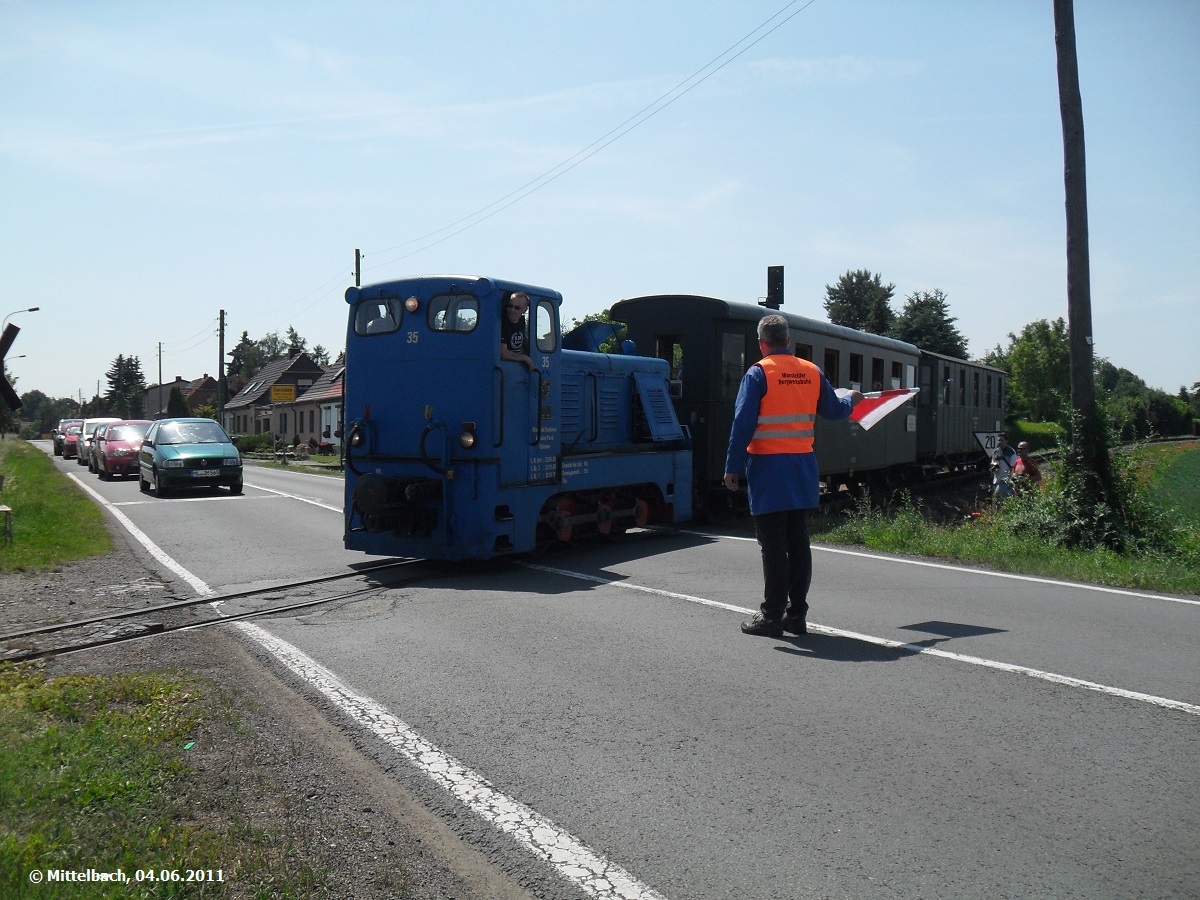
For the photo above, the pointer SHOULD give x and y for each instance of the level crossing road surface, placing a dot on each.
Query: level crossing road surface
(595, 721)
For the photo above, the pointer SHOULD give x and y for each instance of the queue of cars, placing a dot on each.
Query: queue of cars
(166, 454)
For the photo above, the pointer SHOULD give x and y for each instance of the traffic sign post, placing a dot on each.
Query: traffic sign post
(7, 394)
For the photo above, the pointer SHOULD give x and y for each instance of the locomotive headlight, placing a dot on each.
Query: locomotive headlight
(412, 304)
(467, 437)
(356, 438)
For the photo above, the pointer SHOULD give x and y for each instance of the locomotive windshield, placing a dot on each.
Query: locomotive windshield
(377, 316)
(453, 312)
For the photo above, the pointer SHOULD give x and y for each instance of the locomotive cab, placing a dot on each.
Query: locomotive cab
(454, 452)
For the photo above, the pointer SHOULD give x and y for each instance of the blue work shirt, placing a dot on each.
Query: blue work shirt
(776, 481)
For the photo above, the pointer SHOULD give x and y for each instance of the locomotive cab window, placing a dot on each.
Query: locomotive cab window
(453, 312)
(377, 316)
(546, 327)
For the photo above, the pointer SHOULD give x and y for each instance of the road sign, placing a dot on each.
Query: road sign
(283, 393)
(988, 441)
(7, 394)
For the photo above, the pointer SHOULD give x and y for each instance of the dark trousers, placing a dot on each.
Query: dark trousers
(787, 562)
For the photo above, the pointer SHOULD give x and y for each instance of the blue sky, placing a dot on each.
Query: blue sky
(163, 161)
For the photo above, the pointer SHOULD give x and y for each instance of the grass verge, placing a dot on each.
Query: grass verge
(1018, 537)
(53, 519)
(94, 774)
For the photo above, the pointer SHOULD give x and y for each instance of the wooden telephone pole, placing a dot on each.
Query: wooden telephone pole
(1088, 462)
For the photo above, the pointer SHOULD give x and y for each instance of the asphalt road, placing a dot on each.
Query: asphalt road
(601, 708)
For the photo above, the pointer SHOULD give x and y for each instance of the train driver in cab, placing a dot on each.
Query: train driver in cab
(514, 335)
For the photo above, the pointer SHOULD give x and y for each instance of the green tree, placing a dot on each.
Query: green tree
(861, 300)
(319, 355)
(1134, 409)
(248, 357)
(126, 388)
(926, 322)
(243, 358)
(272, 347)
(1038, 361)
(176, 405)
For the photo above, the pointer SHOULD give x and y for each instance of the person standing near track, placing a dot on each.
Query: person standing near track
(772, 441)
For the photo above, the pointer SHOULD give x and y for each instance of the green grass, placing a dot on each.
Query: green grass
(94, 774)
(54, 521)
(1008, 540)
(1173, 479)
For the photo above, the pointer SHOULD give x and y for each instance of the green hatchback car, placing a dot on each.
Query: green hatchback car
(180, 453)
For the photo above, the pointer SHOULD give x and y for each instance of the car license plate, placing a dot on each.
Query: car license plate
(205, 473)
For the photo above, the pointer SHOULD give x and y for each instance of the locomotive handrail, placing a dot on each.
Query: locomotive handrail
(499, 439)
(421, 446)
(537, 414)
(354, 427)
(595, 405)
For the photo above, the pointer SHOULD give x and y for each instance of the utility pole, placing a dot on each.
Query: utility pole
(357, 268)
(161, 406)
(221, 368)
(1088, 456)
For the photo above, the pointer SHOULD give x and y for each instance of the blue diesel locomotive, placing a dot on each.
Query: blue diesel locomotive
(453, 453)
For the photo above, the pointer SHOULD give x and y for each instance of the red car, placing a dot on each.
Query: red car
(116, 447)
(70, 446)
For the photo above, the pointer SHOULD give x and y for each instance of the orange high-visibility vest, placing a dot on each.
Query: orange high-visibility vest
(789, 407)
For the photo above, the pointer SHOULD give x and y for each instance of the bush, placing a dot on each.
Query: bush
(1040, 435)
(253, 443)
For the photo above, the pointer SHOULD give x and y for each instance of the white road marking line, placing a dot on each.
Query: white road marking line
(915, 649)
(177, 499)
(564, 853)
(140, 536)
(824, 548)
(336, 509)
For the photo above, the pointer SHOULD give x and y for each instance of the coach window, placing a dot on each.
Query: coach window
(876, 373)
(962, 386)
(546, 327)
(804, 351)
(947, 385)
(453, 312)
(975, 393)
(833, 366)
(733, 363)
(897, 369)
(377, 316)
(670, 348)
(988, 395)
(1000, 393)
(856, 371)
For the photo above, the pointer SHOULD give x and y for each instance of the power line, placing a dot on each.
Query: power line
(644, 114)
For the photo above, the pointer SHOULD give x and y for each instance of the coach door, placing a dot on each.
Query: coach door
(527, 435)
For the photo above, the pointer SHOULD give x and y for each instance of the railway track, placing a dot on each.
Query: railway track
(60, 638)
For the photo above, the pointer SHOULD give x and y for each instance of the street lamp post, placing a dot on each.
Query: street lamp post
(14, 312)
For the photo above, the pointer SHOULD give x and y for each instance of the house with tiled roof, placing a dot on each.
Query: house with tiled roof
(201, 392)
(319, 410)
(253, 411)
(158, 395)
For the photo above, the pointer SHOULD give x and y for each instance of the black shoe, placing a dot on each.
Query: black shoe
(763, 626)
(794, 624)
